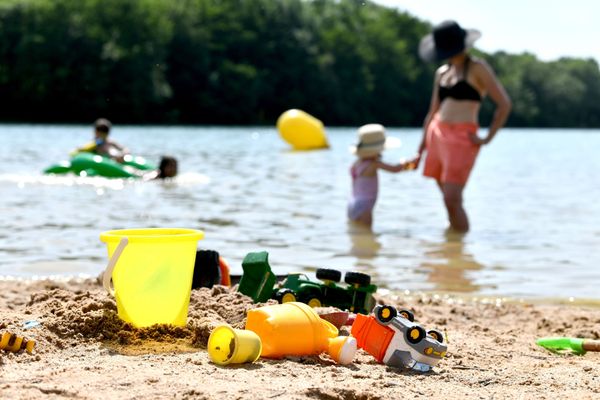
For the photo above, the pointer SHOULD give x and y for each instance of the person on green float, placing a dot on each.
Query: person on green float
(450, 128)
(104, 146)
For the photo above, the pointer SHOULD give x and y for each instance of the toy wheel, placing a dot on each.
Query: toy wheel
(285, 296)
(407, 314)
(357, 278)
(415, 334)
(312, 298)
(5, 339)
(314, 302)
(386, 313)
(437, 335)
(325, 274)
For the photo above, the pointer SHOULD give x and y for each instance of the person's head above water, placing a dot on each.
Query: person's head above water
(167, 167)
(372, 141)
(447, 40)
(102, 128)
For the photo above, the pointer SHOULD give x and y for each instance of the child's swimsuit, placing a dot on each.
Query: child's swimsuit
(364, 190)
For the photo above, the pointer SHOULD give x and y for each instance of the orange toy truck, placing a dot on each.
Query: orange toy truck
(395, 340)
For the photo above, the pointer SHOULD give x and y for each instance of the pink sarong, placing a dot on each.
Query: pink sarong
(450, 153)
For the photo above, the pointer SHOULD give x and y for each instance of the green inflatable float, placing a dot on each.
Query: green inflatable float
(89, 164)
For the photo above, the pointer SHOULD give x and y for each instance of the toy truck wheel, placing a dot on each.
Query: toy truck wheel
(385, 314)
(325, 274)
(415, 334)
(357, 278)
(285, 296)
(407, 314)
(437, 335)
(314, 302)
(312, 298)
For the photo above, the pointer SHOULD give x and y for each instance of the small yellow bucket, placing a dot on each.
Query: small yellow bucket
(151, 270)
(227, 345)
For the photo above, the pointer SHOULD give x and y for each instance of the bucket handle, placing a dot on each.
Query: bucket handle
(107, 277)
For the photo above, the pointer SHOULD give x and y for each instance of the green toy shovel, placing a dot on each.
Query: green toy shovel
(576, 345)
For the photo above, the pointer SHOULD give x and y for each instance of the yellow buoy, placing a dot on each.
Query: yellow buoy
(301, 130)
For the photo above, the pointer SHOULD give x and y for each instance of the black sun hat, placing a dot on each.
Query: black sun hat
(447, 40)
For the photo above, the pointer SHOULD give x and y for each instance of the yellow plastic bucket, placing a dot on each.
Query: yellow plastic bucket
(151, 270)
(292, 329)
(227, 345)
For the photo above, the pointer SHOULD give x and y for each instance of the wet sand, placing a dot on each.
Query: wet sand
(84, 351)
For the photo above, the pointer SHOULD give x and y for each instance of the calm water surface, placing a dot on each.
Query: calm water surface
(532, 200)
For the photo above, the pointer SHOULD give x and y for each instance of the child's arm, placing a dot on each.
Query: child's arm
(393, 167)
(124, 150)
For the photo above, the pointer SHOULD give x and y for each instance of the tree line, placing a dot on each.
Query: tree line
(347, 62)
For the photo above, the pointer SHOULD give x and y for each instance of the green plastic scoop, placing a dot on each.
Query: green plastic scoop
(576, 345)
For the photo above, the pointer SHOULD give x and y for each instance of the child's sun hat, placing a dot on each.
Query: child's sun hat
(372, 141)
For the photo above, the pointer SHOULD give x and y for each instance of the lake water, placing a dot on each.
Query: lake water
(532, 201)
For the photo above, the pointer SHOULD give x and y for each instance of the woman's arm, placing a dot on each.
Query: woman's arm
(498, 94)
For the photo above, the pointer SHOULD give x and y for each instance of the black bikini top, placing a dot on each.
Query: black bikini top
(461, 90)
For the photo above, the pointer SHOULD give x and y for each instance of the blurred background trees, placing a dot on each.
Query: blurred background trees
(347, 62)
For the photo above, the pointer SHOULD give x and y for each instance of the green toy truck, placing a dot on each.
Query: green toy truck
(258, 279)
(259, 282)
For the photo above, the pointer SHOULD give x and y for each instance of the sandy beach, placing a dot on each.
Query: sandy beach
(84, 351)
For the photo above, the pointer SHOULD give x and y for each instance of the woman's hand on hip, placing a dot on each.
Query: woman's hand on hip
(477, 140)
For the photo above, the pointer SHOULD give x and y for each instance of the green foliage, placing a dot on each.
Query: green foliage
(550, 94)
(67, 60)
(347, 62)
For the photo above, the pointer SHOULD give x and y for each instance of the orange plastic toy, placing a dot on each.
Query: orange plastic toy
(295, 329)
(393, 338)
(224, 270)
(372, 337)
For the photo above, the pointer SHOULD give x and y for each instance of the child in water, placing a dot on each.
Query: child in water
(365, 184)
(166, 169)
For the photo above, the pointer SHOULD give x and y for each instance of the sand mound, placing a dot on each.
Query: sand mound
(69, 317)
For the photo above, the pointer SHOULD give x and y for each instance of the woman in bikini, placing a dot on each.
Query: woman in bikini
(450, 128)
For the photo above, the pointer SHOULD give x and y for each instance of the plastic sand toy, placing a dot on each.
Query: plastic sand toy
(575, 345)
(355, 296)
(210, 269)
(295, 329)
(258, 279)
(395, 340)
(260, 283)
(152, 272)
(227, 345)
(14, 343)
